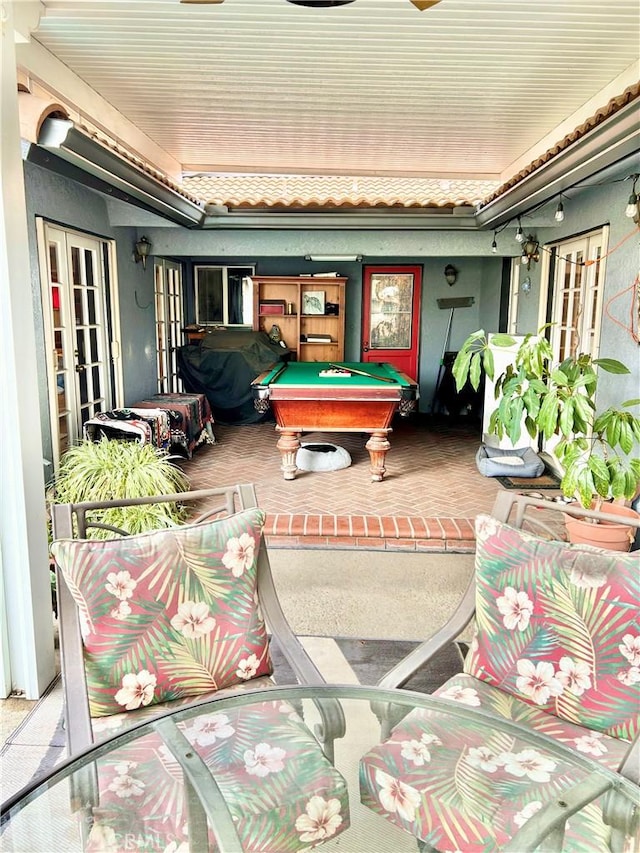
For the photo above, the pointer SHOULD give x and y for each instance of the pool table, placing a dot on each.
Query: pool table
(363, 399)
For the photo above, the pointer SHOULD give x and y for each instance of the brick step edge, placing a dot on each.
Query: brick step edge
(400, 533)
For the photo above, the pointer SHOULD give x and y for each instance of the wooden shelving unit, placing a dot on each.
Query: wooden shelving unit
(274, 294)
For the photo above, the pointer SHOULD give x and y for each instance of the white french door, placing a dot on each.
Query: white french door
(81, 372)
(169, 313)
(577, 295)
(576, 299)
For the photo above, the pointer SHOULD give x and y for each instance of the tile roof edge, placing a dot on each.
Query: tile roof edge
(136, 161)
(630, 94)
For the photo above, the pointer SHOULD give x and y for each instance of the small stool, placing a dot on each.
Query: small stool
(322, 457)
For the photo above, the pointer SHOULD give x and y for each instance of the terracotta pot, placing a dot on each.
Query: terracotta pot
(603, 534)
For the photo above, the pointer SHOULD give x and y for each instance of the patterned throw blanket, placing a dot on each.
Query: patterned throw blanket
(178, 422)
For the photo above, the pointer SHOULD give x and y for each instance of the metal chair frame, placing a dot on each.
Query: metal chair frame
(73, 520)
(547, 826)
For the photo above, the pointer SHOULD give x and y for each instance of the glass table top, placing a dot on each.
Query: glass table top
(248, 772)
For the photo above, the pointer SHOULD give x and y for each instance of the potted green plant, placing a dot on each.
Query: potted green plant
(594, 449)
(110, 469)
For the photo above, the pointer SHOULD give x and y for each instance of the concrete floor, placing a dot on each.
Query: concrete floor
(369, 594)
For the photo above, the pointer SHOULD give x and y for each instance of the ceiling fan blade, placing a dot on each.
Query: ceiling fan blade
(423, 5)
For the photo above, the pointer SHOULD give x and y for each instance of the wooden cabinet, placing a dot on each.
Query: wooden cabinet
(308, 311)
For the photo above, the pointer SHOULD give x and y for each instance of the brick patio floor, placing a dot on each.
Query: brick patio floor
(428, 500)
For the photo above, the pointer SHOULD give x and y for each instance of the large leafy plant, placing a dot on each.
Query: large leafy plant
(107, 470)
(594, 450)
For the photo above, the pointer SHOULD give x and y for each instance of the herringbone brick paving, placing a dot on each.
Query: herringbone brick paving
(431, 493)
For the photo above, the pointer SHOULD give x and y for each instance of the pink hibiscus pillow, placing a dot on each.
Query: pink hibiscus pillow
(557, 626)
(170, 613)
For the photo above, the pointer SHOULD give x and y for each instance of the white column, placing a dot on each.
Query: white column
(28, 662)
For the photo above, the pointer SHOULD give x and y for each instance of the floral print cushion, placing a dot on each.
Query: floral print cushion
(557, 625)
(281, 791)
(170, 613)
(105, 727)
(466, 689)
(465, 785)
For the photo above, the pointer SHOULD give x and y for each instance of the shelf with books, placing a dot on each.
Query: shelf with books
(310, 307)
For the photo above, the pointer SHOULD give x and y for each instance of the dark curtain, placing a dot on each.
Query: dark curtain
(234, 294)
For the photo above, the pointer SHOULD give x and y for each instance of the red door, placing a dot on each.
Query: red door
(391, 316)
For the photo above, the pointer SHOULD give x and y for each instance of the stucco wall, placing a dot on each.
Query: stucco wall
(66, 203)
(137, 322)
(275, 252)
(282, 252)
(73, 206)
(595, 207)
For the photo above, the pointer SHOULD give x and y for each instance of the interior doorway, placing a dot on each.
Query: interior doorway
(391, 316)
(78, 316)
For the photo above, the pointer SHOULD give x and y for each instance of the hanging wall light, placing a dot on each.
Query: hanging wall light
(450, 274)
(559, 214)
(141, 251)
(494, 245)
(530, 251)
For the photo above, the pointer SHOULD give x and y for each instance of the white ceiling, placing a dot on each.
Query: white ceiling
(470, 89)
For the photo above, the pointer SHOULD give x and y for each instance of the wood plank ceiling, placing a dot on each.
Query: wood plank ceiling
(465, 90)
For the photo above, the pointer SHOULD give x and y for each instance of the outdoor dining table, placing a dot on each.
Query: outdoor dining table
(43, 815)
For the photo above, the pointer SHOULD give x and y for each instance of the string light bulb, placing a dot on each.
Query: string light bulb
(632, 210)
(494, 245)
(559, 214)
(519, 233)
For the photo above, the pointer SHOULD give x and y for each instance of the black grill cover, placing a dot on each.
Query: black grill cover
(222, 366)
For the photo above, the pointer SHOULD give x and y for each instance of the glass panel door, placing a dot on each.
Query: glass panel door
(88, 321)
(75, 333)
(61, 354)
(576, 302)
(168, 300)
(577, 296)
(391, 316)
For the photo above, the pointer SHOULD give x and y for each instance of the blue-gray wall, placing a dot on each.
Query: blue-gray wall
(282, 252)
(595, 207)
(69, 204)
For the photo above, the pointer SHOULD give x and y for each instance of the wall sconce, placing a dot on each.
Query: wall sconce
(450, 274)
(141, 251)
(530, 251)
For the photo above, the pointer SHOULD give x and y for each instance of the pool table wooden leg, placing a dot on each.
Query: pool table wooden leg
(377, 446)
(288, 445)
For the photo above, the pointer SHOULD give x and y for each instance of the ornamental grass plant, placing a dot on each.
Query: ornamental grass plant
(110, 469)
